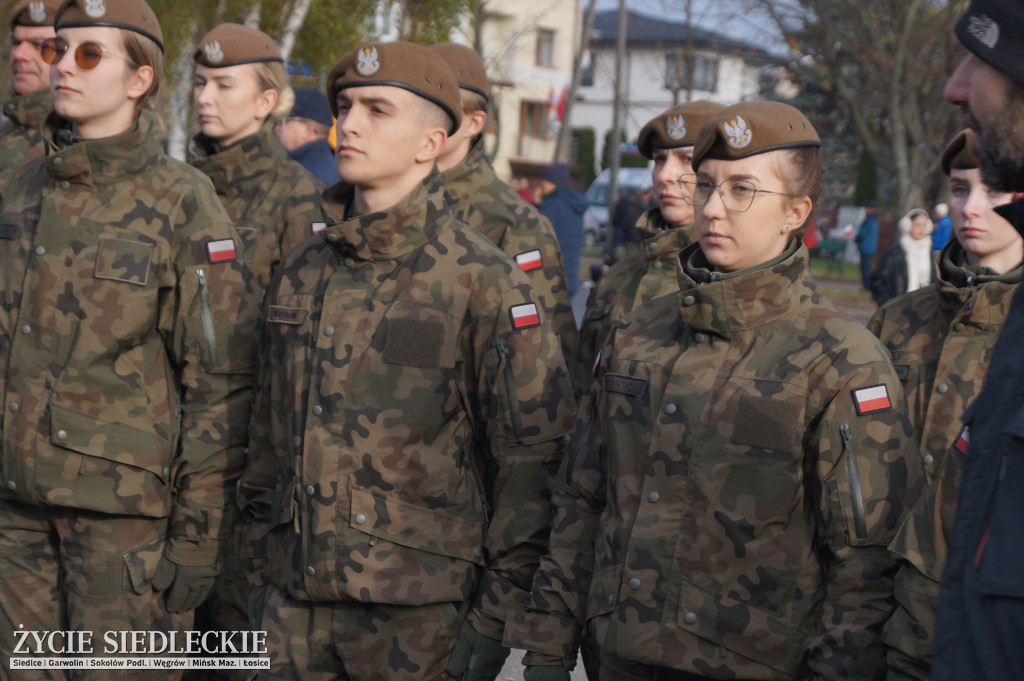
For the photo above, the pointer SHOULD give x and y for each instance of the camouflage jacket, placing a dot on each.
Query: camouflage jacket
(941, 339)
(410, 408)
(127, 333)
(724, 509)
(629, 283)
(273, 201)
(21, 135)
(488, 205)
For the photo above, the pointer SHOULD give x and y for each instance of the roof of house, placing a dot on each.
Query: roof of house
(647, 31)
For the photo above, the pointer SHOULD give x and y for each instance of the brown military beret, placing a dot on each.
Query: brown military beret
(467, 65)
(131, 15)
(411, 67)
(34, 13)
(751, 128)
(676, 126)
(960, 153)
(232, 44)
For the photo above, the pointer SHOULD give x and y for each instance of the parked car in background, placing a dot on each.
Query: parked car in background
(595, 220)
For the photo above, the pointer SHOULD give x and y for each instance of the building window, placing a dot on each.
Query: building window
(545, 47)
(533, 119)
(587, 72)
(705, 73)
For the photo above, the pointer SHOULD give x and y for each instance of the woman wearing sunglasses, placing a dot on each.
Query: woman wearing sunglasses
(941, 338)
(126, 334)
(744, 458)
(241, 91)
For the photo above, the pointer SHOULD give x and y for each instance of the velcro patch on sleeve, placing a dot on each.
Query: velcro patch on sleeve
(872, 399)
(279, 314)
(413, 343)
(627, 385)
(222, 250)
(524, 316)
(963, 441)
(529, 261)
(317, 227)
(8, 231)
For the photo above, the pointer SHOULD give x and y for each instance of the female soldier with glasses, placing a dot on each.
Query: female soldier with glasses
(126, 326)
(744, 458)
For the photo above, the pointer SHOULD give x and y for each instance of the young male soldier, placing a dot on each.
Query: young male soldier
(411, 403)
(31, 22)
(666, 229)
(491, 207)
(981, 599)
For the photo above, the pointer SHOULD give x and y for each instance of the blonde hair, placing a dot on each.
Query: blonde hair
(143, 51)
(271, 75)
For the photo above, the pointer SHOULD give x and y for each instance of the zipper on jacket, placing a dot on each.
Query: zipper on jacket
(207, 317)
(505, 353)
(860, 524)
(579, 440)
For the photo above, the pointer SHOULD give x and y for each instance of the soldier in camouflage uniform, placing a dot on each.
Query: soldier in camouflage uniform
(125, 354)
(411, 405)
(21, 137)
(488, 205)
(273, 201)
(666, 229)
(941, 339)
(742, 459)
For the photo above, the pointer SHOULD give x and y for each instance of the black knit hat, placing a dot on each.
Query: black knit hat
(994, 31)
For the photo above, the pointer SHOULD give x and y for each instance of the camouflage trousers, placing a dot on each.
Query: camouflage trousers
(615, 669)
(66, 570)
(357, 641)
(909, 633)
(227, 608)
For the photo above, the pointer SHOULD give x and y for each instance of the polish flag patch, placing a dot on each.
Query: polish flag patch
(872, 399)
(529, 261)
(961, 442)
(221, 251)
(317, 226)
(524, 316)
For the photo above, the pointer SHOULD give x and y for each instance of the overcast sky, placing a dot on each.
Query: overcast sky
(722, 16)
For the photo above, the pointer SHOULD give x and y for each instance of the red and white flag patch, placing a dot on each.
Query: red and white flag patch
(529, 261)
(316, 227)
(963, 441)
(524, 316)
(872, 399)
(222, 250)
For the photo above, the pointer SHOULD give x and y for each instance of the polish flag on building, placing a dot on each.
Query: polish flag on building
(529, 261)
(872, 399)
(524, 316)
(221, 251)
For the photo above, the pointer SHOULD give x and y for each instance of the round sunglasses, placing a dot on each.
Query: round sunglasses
(87, 54)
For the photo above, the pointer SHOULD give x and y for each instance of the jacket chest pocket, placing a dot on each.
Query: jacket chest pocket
(402, 376)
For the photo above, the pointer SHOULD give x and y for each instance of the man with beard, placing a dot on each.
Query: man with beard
(981, 602)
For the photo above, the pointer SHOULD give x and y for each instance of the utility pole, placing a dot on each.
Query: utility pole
(565, 134)
(615, 141)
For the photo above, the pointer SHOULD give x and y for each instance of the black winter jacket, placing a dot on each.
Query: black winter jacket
(889, 278)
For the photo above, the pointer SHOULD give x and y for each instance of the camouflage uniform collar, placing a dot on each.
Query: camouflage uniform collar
(660, 240)
(955, 273)
(468, 179)
(388, 234)
(29, 111)
(101, 161)
(745, 299)
(241, 163)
